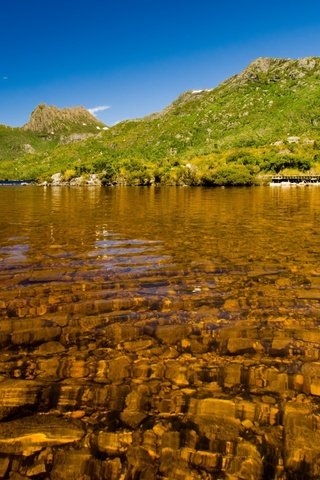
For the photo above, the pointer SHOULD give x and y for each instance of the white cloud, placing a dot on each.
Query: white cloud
(100, 108)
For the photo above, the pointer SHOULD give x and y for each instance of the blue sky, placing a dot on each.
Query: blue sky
(136, 56)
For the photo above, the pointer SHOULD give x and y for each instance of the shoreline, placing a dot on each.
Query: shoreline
(94, 181)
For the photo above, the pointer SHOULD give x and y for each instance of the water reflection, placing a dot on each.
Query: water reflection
(236, 243)
(192, 222)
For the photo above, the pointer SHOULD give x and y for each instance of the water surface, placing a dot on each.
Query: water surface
(216, 241)
(160, 333)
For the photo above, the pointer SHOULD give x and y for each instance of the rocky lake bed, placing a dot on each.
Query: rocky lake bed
(160, 334)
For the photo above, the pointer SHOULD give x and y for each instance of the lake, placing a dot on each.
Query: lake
(160, 333)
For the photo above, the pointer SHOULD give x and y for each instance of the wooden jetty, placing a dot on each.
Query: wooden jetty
(295, 180)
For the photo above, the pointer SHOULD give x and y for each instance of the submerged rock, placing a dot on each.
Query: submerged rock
(95, 384)
(32, 434)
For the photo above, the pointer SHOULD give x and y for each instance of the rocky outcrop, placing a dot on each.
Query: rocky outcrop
(74, 137)
(27, 148)
(58, 179)
(277, 69)
(52, 120)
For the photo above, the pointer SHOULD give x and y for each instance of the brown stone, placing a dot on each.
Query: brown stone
(302, 439)
(4, 465)
(119, 369)
(31, 434)
(18, 394)
(114, 443)
(71, 464)
(172, 334)
(247, 463)
(239, 346)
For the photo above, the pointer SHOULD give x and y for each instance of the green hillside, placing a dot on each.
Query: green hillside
(264, 120)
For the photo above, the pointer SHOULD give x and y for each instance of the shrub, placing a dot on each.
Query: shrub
(135, 172)
(276, 163)
(243, 158)
(81, 170)
(185, 175)
(237, 175)
(68, 174)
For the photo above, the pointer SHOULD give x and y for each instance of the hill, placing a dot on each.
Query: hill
(265, 119)
(52, 120)
(48, 128)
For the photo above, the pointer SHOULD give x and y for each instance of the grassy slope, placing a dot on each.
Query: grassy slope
(205, 137)
(49, 127)
(14, 144)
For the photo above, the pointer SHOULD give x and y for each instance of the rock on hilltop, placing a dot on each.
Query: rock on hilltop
(276, 69)
(50, 119)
